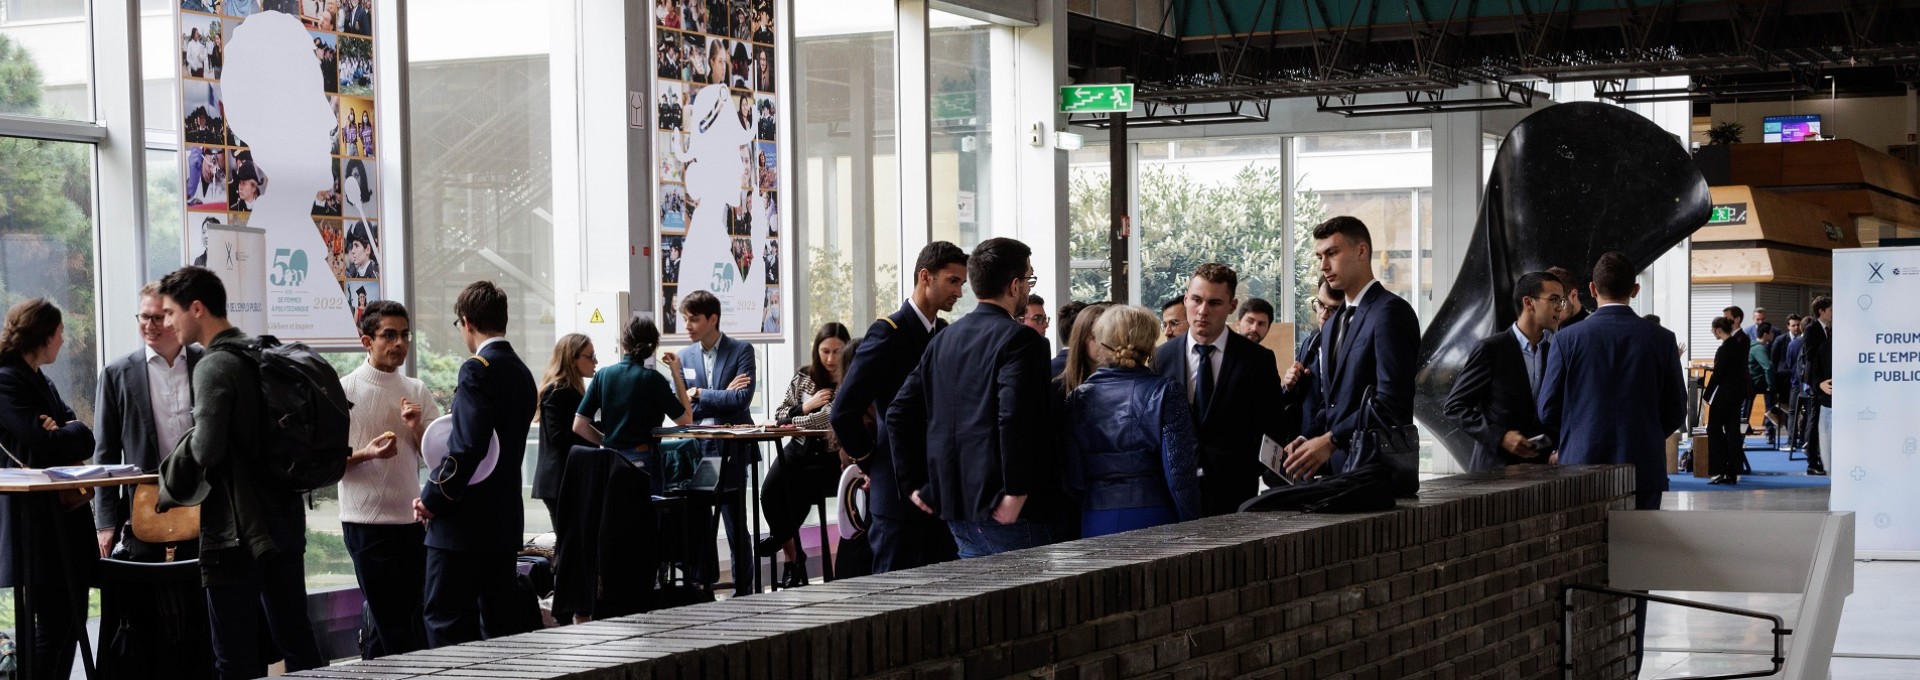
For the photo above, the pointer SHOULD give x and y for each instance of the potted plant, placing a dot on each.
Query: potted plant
(1725, 132)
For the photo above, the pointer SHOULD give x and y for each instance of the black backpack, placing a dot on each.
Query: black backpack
(306, 412)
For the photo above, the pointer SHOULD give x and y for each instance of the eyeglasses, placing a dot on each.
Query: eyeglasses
(391, 335)
(1032, 281)
(155, 319)
(459, 322)
(1038, 318)
(1558, 301)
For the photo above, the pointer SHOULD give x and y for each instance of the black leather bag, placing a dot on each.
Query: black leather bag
(1385, 442)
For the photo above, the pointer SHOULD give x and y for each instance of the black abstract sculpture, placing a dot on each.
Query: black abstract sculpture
(1570, 182)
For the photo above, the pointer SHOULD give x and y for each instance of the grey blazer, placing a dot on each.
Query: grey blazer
(124, 431)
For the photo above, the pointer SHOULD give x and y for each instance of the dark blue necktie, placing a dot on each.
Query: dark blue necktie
(1204, 395)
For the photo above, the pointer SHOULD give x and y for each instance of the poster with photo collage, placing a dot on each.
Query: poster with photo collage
(277, 107)
(716, 127)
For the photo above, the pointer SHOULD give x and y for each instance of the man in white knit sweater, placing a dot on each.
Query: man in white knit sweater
(390, 413)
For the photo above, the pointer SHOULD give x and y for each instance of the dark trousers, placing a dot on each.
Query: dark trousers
(731, 513)
(1813, 433)
(795, 482)
(917, 540)
(1726, 445)
(57, 600)
(271, 589)
(1222, 494)
(390, 561)
(470, 596)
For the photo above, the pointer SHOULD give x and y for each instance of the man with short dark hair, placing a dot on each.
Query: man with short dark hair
(1614, 390)
(1493, 400)
(1745, 340)
(1232, 382)
(253, 534)
(1034, 315)
(1817, 354)
(1373, 342)
(387, 543)
(144, 405)
(1256, 319)
(1574, 312)
(1786, 380)
(719, 374)
(474, 526)
(902, 537)
(1064, 328)
(971, 441)
(1173, 318)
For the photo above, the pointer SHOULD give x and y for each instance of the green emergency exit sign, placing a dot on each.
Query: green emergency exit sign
(1096, 98)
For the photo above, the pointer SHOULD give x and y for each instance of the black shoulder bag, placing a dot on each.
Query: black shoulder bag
(1382, 441)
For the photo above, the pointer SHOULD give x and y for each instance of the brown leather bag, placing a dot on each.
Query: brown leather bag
(153, 526)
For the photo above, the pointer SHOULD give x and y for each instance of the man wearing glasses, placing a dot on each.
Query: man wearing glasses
(1494, 398)
(1035, 314)
(145, 405)
(388, 544)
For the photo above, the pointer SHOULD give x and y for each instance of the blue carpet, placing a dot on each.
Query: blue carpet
(1771, 470)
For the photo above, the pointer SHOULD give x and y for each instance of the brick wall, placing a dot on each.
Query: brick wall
(1463, 583)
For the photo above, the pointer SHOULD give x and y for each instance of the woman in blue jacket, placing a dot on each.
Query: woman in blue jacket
(1130, 442)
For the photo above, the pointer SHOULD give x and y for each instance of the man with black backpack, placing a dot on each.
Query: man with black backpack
(252, 520)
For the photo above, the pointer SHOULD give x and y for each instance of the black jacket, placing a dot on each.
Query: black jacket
(1817, 354)
(1382, 352)
(558, 404)
(1245, 400)
(25, 395)
(610, 536)
(1493, 395)
(495, 398)
(970, 423)
(1729, 385)
(889, 351)
(125, 429)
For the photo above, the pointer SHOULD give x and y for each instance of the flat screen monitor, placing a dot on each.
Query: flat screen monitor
(1790, 128)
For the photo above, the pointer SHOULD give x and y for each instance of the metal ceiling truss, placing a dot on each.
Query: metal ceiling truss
(1732, 49)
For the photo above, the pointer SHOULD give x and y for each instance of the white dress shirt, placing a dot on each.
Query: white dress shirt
(170, 394)
(1213, 362)
(924, 321)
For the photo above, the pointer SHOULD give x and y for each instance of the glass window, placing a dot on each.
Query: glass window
(46, 250)
(1201, 200)
(1089, 216)
(1386, 180)
(960, 92)
(163, 213)
(48, 42)
(847, 181)
(481, 152)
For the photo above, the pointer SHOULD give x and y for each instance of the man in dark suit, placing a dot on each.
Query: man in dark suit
(1493, 400)
(1300, 385)
(971, 442)
(1817, 355)
(902, 537)
(719, 375)
(1373, 341)
(474, 528)
(1728, 389)
(1782, 381)
(145, 404)
(1614, 390)
(1745, 340)
(1575, 311)
(1233, 383)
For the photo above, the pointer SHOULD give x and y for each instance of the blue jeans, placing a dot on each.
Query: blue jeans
(980, 539)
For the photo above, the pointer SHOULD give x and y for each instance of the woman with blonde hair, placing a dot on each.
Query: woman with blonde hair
(1130, 442)
(1080, 346)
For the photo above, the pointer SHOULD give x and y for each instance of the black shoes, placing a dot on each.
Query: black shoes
(795, 573)
(1725, 479)
(1817, 471)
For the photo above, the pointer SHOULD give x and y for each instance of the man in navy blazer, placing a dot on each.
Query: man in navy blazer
(971, 442)
(474, 528)
(1234, 384)
(1614, 389)
(1493, 400)
(902, 537)
(719, 375)
(1373, 340)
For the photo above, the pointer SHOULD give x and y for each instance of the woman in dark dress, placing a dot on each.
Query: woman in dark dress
(37, 430)
(560, 391)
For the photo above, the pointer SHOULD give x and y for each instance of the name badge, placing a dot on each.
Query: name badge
(687, 372)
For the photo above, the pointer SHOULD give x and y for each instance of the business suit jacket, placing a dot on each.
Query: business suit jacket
(1817, 352)
(970, 423)
(1241, 411)
(720, 406)
(1382, 352)
(495, 397)
(125, 430)
(1492, 396)
(1306, 398)
(1782, 363)
(889, 351)
(1729, 385)
(1613, 393)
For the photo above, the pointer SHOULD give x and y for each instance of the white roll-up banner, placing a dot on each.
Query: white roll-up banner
(1875, 459)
